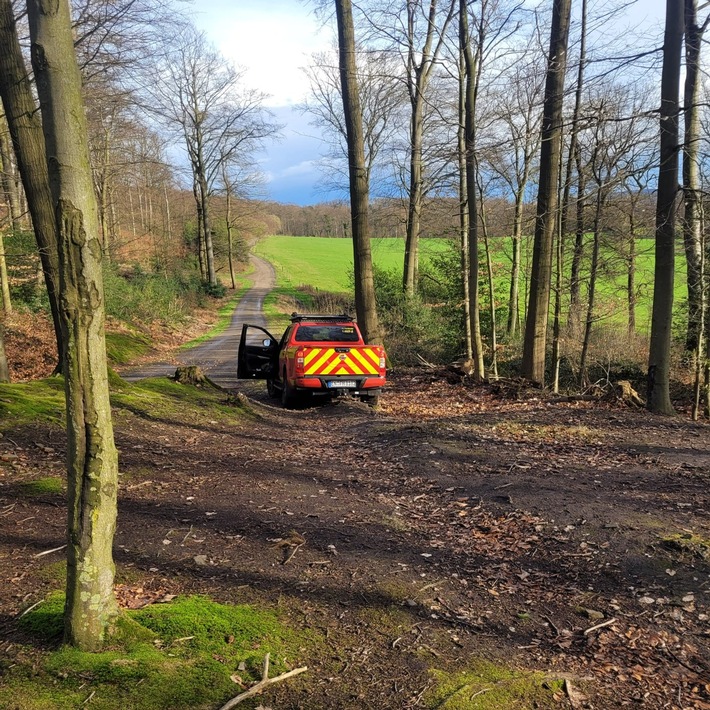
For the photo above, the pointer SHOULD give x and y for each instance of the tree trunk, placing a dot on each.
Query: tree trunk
(479, 371)
(9, 186)
(463, 206)
(661, 320)
(200, 230)
(4, 279)
(631, 271)
(168, 219)
(574, 128)
(534, 346)
(228, 218)
(418, 81)
(207, 232)
(557, 316)
(583, 378)
(513, 324)
(578, 250)
(574, 159)
(491, 287)
(26, 131)
(92, 479)
(4, 369)
(411, 246)
(692, 194)
(365, 303)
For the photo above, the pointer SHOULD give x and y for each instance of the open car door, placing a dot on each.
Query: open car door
(258, 354)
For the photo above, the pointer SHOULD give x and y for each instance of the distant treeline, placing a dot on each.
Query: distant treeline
(439, 219)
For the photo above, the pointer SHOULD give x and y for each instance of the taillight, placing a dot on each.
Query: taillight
(381, 353)
(299, 362)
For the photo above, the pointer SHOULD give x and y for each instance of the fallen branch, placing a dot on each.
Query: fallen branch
(552, 624)
(426, 363)
(576, 699)
(599, 626)
(291, 552)
(49, 552)
(263, 683)
(29, 609)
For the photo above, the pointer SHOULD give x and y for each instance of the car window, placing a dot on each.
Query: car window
(326, 333)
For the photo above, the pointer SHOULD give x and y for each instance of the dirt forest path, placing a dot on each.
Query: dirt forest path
(218, 356)
(497, 535)
(457, 528)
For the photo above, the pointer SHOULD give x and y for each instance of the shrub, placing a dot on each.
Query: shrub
(217, 290)
(139, 297)
(413, 327)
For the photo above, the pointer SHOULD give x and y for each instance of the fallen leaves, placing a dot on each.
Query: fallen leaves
(137, 596)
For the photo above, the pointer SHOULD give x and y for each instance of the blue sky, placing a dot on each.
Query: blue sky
(272, 40)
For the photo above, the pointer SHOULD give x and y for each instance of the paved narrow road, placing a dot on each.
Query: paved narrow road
(218, 356)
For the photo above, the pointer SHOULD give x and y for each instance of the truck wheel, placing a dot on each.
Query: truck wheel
(271, 389)
(288, 395)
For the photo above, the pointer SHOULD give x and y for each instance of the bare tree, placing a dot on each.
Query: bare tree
(472, 67)
(201, 94)
(420, 62)
(614, 150)
(365, 302)
(4, 369)
(25, 128)
(9, 183)
(534, 346)
(692, 235)
(658, 399)
(380, 100)
(92, 457)
(518, 112)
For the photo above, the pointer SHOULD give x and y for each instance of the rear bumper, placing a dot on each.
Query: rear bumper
(329, 385)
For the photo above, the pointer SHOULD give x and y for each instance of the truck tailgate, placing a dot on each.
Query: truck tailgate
(348, 361)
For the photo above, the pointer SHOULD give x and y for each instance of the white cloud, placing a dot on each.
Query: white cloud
(271, 40)
(305, 167)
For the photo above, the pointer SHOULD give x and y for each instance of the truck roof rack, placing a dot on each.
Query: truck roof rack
(319, 317)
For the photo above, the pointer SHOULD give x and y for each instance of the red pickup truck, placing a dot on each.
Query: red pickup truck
(317, 355)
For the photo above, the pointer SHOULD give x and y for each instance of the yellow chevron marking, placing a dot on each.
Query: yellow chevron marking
(329, 369)
(366, 366)
(320, 357)
(311, 355)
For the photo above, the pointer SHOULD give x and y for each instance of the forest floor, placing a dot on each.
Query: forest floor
(460, 544)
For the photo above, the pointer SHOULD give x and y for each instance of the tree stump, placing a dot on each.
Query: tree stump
(624, 391)
(191, 375)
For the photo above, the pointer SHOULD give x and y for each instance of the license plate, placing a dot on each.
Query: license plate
(342, 383)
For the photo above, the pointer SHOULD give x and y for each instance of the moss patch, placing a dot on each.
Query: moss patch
(50, 485)
(122, 348)
(688, 543)
(46, 620)
(178, 655)
(54, 573)
(164, 399)
(32, 402)
(487, 686)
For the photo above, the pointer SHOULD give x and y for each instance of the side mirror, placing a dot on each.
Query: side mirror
(266, 342)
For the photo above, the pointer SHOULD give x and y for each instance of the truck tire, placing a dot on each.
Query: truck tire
(289, 397)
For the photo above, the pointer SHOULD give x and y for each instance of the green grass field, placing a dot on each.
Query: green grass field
(326, 264)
